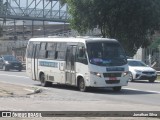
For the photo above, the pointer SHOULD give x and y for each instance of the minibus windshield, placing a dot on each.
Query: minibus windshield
(106, 53)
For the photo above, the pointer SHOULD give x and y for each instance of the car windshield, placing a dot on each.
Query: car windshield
(9, 58)
(106, 54)
(136, 63)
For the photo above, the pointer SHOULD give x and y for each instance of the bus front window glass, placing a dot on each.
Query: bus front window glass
(106, 54)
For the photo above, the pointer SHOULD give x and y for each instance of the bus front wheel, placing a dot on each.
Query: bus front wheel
(44, 83)
(81, 85)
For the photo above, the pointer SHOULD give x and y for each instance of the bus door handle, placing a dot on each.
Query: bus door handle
(67, 71)
(73, 72)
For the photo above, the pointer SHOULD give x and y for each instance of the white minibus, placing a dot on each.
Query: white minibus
(83, 62)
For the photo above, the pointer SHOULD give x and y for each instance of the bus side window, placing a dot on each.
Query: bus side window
(60, 51)
(81, 55)
(50, 50)
(37, 51)
(30, 50)
(42, 52)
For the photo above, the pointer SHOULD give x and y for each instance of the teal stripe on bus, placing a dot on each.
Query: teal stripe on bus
(48, 64)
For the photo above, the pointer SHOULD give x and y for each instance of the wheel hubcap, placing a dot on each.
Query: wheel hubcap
(81, 85)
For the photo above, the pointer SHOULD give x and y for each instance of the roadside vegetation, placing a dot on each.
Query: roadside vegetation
(132, 22)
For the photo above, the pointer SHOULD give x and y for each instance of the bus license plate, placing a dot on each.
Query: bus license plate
(112, 78)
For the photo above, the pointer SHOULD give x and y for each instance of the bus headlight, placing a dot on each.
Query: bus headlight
(96, 74)
(125, 73)
(6, 62)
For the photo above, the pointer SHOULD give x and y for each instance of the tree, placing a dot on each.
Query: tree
(132, 22)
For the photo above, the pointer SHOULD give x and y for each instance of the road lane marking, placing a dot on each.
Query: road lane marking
(15, 76)
(28, 90)
(151, 91)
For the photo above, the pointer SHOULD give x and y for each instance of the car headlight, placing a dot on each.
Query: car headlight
(138, 71)
(6, 62)
(96, 74)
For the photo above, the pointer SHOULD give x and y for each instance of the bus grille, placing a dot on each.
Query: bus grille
(112, 74)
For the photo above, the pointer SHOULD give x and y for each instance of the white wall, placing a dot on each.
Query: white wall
(140, 55)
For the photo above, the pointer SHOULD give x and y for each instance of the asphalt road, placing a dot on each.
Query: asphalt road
(137, 96)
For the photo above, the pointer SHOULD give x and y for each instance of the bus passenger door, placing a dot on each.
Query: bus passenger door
(70, 65)
(36, 48)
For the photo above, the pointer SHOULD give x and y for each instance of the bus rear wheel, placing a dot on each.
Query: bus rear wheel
(44, 83)
(81, 85)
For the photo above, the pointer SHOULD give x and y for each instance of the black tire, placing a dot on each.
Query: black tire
(81, 85)
(5, 68)
(43, 82)
(19, 69)
(151, 80)
(117, 89)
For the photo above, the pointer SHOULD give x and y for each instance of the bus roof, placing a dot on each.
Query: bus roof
(73, 39)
